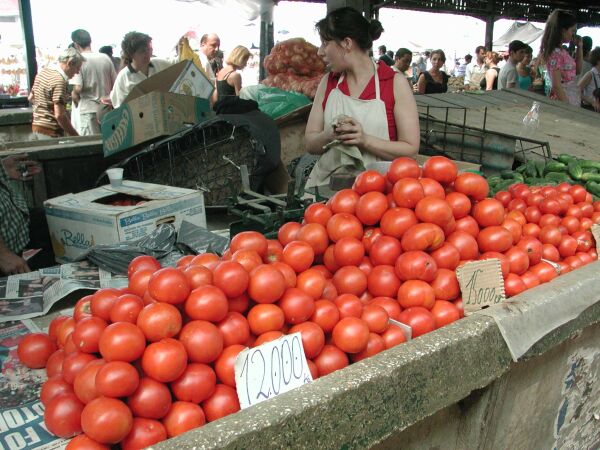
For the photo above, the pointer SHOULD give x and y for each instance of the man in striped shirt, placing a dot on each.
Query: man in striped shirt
(49, 97)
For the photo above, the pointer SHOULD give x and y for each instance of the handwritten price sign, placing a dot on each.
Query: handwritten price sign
(271, 369)
(481, 284)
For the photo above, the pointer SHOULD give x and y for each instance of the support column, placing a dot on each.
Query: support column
(489, 31)
(267, 40)
(27, 27)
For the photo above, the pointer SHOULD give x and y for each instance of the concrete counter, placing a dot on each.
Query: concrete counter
(455, 388)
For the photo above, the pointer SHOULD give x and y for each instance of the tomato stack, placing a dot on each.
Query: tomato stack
(138, 365)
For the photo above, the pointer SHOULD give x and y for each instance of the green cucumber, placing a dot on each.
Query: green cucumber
(530, 170)
(566, 158)
(492, 181)
(507, 174)
(593, 188)
(591, 177)
(574, 170)
(589, 164)
(518, 178)
(558, 177)
(555, 166)
(521, 168)
(539, 168)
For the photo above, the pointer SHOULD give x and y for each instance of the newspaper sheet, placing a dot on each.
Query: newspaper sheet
(21, 411)
(32, 294)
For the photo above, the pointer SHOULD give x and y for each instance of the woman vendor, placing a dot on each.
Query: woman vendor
(357, 117)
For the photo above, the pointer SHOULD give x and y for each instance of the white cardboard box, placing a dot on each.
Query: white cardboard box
(78, 221)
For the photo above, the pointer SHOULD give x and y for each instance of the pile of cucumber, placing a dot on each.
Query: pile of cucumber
(564, 168)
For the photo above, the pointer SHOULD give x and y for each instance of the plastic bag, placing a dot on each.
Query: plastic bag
(273, 101)
(200, 240)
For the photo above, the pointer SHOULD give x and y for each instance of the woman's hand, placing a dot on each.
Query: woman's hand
(350, 132)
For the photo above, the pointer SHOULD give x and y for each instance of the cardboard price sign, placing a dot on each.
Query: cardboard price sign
(596, 234)
(481, 284)
(271, 369)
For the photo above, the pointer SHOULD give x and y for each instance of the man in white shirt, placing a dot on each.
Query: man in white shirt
(209, 46)
(507, 78)
(476, 70)
(93, 83)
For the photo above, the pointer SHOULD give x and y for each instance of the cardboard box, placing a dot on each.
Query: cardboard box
(182, 78)
(150, 116)
(78, 221)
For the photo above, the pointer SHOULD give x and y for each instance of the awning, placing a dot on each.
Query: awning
(522, 31)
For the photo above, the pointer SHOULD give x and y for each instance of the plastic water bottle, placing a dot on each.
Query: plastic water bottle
(531, 123)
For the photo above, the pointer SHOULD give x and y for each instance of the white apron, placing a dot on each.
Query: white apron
(340, 158)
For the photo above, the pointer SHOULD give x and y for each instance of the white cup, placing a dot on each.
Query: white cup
(115, 176)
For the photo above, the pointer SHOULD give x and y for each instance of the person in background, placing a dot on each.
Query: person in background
(136, 55)
(229, 80)
(490, 81)
(384, 57)
(92, 84)
(363, 104)
(590, 82)
(507, 78)
(561, 68)
(49, 97)
(586, 44)
(381, 51)
(524, 73)
(461, 69)
(21, 227)
(217, 62)
(475, 71)
(108, 51)
(209, 47)
(427, 57)
(434, 80)
(402, 60)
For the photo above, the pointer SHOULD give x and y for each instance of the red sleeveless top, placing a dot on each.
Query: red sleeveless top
(386, 92)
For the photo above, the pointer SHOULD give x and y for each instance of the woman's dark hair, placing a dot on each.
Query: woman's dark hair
(594, 56)
(347, 22)
(133, 42)
(439, 52)
(558, 21)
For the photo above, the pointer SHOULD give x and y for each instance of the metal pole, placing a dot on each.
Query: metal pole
(27, 26)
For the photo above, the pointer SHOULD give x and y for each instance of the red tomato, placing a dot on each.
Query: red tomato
(350, 280)
(421, 320)
(393, 336)
(376, 317)
(550, 252)
(83, 442)
(390, 304)
(513, 285)
(444, 313)
(35, 349)
(472, 185)
(126, 308)
(312, 282)
(221, 403)
(544, 271)
(59, 320)
(416, 265)
(494, 239)
(54, 387)
(533, 248)
(202, 340)
(234, 328)
(168, 285)
(158, 321)
(396, 221)
(518, 260)
(106, 420)
(249, 240)
(445, 285)
(297, 306)
(164, 360)
(407, 192)
(432, 188)
(369, 181)
(344, 225)
(313, 338)
(344, 201)
(434, 210)
(208, 303)
(102, 302)
(144, 433)
(84, 384)
(315, 235)
(73, 363)
(231, 278)
(265, 317)
(249, 259)
(267, 337)
(503, 197)
(403, 167)
(371, 234)
(459, 203)
(184, 261)
(198, 276)
(468, 225)
(117, 379)
(298, 255)
(376, 344)
(274, 251)
(550, 235)
(142, 262)
(62, 415)
(54, 363)
(288, 232)
(504, 262)
(488, 212)
(465, 244)
(326, 315)
(151, 400)
(349, 305)
(288, 273)
(348, 251)
(515, 228)
(446, 257)
(330, 359)
(122, 341)
(416, 293)
(567, 247)
(196, 384)
(578, 193)
(385, 250)
(83, 308)
(225, 362)
(182, 417)
(440, 169)
(530, 280)
(383, 282)
(423, 236)
(371, 207)
(317, 213)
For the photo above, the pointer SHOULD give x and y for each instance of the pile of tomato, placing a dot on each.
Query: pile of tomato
(151, 361)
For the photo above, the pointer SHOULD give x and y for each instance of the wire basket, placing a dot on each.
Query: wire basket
(205, 157)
